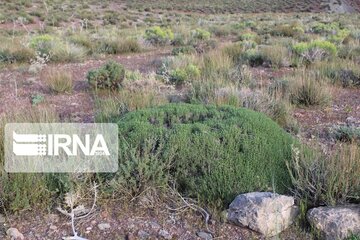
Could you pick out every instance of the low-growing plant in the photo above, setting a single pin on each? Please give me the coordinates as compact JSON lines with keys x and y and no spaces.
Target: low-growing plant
{"x":43,"y":43}
{"x":109,"y":76}
{"x":323,"y":179}
{"x":201,"y":34}
{"x":159,"y":36}
{"x":288,"y":30}
{"x":277,"y":56}
{"x":116,"y":46}
{"x":347,"y":133}
{"x":180,"y":76}
{"x":315,"y":51}
{"x":206,"y":151}
{"x":308,"y":89}
{"x":59,"y":81}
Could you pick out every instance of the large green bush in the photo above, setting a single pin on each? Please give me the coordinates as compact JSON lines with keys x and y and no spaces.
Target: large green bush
{"x":109,"y":76}
{"x":213,"y":153}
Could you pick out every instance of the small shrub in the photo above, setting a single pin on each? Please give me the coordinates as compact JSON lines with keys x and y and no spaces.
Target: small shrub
{"x":60,"y":81}
{"x":115,"y":46}
{"x":277,"y":56}
{"x":307,"y":90}
{"x":234,"y":51}
{"x":288,"y":30}
{"x":207,"y":151}
{"x":326,"y":180}
{"x":67,"y":52}
{"x":43,"y":43}
{"x":16,"y":53}
{"x":183,"y":50}
{"x":253,"y":58}
{"x":315,"y":51}
{"x":347,"y":133}
{"x":159,"y":36}
{"x":181,"y":76}
{"x":109,"y":76}
{"x":201,"y":34}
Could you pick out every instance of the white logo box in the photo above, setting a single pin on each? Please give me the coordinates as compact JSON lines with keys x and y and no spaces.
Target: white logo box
{"x":61,"y":147}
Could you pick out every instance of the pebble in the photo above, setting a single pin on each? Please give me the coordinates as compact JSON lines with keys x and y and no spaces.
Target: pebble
{"x":103,"y":226}
{"x":204,"y":235}
{"x":14,"y":234}
{"x":165,"y":234}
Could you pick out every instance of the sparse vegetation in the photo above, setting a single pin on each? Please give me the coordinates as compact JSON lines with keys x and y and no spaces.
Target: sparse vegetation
{"x":109,"y":76}
{"x":192,"y":86}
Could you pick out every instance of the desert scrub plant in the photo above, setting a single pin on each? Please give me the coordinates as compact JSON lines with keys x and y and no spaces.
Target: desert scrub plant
{"x":59,"y":80}
{"x":180,"y":76}
{"x":207,"y":151}
{"x":277,"y":56}
{"x":159,"y":36}
{"x":15,"y":52}
{"x":346,"y":133}
{"x":43,"y":43}
{"x":67,"y":52}
{"x":200,"y":34}
{"x":23,"y":191}
{"x":321,"y":179}
{"x":308,"y":89}
{"x":109,"y":76}
{"x":288,"y":30}
{"x":116,"y":46}
{"x":341,"y":72}
{"x":314,"y":51}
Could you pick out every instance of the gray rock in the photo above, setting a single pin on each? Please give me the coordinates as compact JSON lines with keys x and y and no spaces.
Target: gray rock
{"x":335,"y":222}
{"x":14,"y":234}
{"x":204,"y":235}
{"x":264,"y":212}
{"x":103,"y":226}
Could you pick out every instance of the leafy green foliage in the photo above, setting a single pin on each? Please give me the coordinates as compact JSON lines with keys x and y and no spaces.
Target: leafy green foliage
{"x":201,"y":34}
{"x":315,"y":51}
{"x":109,"y":76}
{"x":159,"y":36}
{"x":210,"y":153}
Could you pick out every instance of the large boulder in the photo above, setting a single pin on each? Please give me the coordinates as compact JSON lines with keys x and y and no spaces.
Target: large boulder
{"x":264,"y":212}
{"x":335,"y":222}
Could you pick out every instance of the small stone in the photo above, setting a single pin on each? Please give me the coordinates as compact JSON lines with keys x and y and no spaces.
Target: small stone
{"x":14,"y":234}
{"x":143,"y":235}
{"x":88,"y":228}
{"x":204,"y":235}
{"x":104,"y":226}
{"x":165,"y":234}
{"x":53,"y":227}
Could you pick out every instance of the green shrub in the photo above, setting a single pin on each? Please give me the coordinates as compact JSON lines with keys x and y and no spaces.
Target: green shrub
{"x":59,"y":81}
{"x":288,"y":30}
{"x":183,"y":50}
{"x":15,"y":54}
{"x":159,"y":36}
{"x":43,"y":43}
{"x":115,"y":46}
{"x":253,"y":58}
{"x":180,"y":76}
{"x":347,"y":133}
{"x":109,"y":76}
{"x":208,"y":152}
{"x":330,"y":180}
{"x":308,"y":89}
{"x":201,"y":34}
{"x":315,"y":51}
